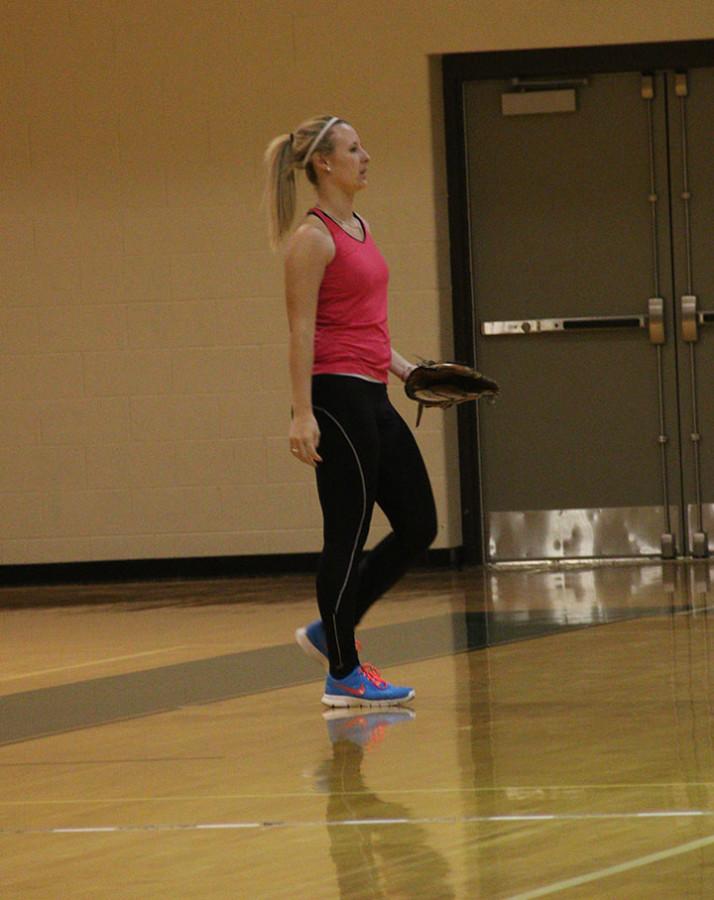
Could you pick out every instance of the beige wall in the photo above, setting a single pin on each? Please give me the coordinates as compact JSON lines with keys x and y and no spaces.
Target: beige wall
{"x":143,"y":386}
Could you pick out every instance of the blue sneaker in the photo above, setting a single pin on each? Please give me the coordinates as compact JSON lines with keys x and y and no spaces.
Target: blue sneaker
{"x":311,"y":640}
{"x":364,"y":686}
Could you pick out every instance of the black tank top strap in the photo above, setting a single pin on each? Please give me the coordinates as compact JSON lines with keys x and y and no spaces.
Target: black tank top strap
{"x":319,"y":214}
{"x":334,"y":226}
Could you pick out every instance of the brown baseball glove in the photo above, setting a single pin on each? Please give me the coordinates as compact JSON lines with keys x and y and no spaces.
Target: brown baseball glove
{"x":446,"y":384}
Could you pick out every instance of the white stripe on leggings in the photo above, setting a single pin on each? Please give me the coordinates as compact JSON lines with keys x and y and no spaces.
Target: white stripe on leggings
{"x":359,"y":529}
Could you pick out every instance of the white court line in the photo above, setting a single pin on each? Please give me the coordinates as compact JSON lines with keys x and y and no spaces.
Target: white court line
{"x":698,"y":609}
{"x":90,"y":830}
{"x":372,"y":822}
{"x":615,"y":870}
{"x":93,"y":662}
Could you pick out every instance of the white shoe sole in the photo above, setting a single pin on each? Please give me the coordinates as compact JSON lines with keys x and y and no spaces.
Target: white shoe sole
{"x":342,"y":702}
{"x":307,"y":647}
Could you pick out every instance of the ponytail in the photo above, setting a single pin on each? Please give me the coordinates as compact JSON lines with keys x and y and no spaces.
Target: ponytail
{"x":280,"y":187}
{"x":284,"y":154}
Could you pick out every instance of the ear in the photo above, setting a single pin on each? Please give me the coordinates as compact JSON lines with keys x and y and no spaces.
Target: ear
{"x":323,"y":164}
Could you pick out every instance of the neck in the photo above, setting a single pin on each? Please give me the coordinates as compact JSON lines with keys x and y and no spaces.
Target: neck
{"x":338,"y":204}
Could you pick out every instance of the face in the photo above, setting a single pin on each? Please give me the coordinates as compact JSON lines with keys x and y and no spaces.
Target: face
{"x":348,"y":161}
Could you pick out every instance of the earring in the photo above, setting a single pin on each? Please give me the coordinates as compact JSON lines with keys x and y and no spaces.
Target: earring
{"x":328,"y":168}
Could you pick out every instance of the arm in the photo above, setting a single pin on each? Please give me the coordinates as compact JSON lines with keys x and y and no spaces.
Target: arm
{"x":309,"y":252}
{"x":399,"y":366}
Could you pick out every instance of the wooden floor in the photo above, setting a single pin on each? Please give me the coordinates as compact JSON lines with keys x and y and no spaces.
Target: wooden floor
{"x":166,"y":740}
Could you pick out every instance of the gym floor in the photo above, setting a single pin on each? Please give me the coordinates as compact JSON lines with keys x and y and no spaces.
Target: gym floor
{"x":167,"y":740}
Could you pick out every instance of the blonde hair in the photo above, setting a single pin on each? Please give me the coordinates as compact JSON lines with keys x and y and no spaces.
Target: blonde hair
{"x":286,"y":153}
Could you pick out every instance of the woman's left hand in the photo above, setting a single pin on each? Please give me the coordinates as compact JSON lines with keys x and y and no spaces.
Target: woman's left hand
{"x":304,"y":439}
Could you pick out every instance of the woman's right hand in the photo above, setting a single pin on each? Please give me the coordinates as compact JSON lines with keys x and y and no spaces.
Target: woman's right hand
{"x":304,"y":439}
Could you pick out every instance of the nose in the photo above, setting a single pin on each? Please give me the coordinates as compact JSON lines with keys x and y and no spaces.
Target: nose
{"x":365,"y":156}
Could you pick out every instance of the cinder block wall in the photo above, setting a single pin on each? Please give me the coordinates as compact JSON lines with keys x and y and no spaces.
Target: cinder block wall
{"x":143,"y":380}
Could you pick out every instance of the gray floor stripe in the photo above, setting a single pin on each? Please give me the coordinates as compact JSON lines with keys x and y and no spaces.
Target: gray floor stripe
{"x":99,"y":701}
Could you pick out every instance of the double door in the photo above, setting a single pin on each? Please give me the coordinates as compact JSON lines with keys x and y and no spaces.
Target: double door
{"x":591,"y":206}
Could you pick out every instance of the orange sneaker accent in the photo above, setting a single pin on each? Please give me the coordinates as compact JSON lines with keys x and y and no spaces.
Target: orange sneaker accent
{"x":358,"y":692}
{"x":374,"y":675}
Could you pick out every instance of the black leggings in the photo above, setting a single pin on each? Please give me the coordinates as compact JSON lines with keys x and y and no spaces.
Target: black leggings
{"x":369,"y":456}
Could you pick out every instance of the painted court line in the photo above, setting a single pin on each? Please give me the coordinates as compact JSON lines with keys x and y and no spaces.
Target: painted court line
{"x":92,"y":662}
{"x":381,"y":822}
{"x":599,"y":874}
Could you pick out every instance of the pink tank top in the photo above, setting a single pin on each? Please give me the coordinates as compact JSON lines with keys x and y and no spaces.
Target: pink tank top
{"x":351,"y":331}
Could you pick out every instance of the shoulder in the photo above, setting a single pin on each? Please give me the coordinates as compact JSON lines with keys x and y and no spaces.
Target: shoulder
{"x":312,"y":241}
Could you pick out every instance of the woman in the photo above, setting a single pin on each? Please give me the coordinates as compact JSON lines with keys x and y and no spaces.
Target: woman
{"x":343,"y":424}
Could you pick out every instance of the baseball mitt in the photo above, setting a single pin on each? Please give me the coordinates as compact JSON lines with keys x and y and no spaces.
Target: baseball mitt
{"x":446,"y":384}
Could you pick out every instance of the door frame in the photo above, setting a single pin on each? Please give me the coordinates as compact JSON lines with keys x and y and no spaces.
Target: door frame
{"x":457,"y":69}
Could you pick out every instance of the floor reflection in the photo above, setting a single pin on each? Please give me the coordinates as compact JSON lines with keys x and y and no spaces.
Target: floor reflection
{"x":594,"y":594}
{"x":606,"y":722}
{"x":377,"y":850}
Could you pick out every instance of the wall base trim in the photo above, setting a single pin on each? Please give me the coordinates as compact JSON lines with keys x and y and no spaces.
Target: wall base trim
{"x":113,"y":571}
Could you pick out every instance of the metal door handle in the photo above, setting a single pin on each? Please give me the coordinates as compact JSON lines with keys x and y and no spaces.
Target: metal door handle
{"x":654,"y":321}
{"x":580,"y":323}
{"x":692,"y":318}
{"x":690,"y":330}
